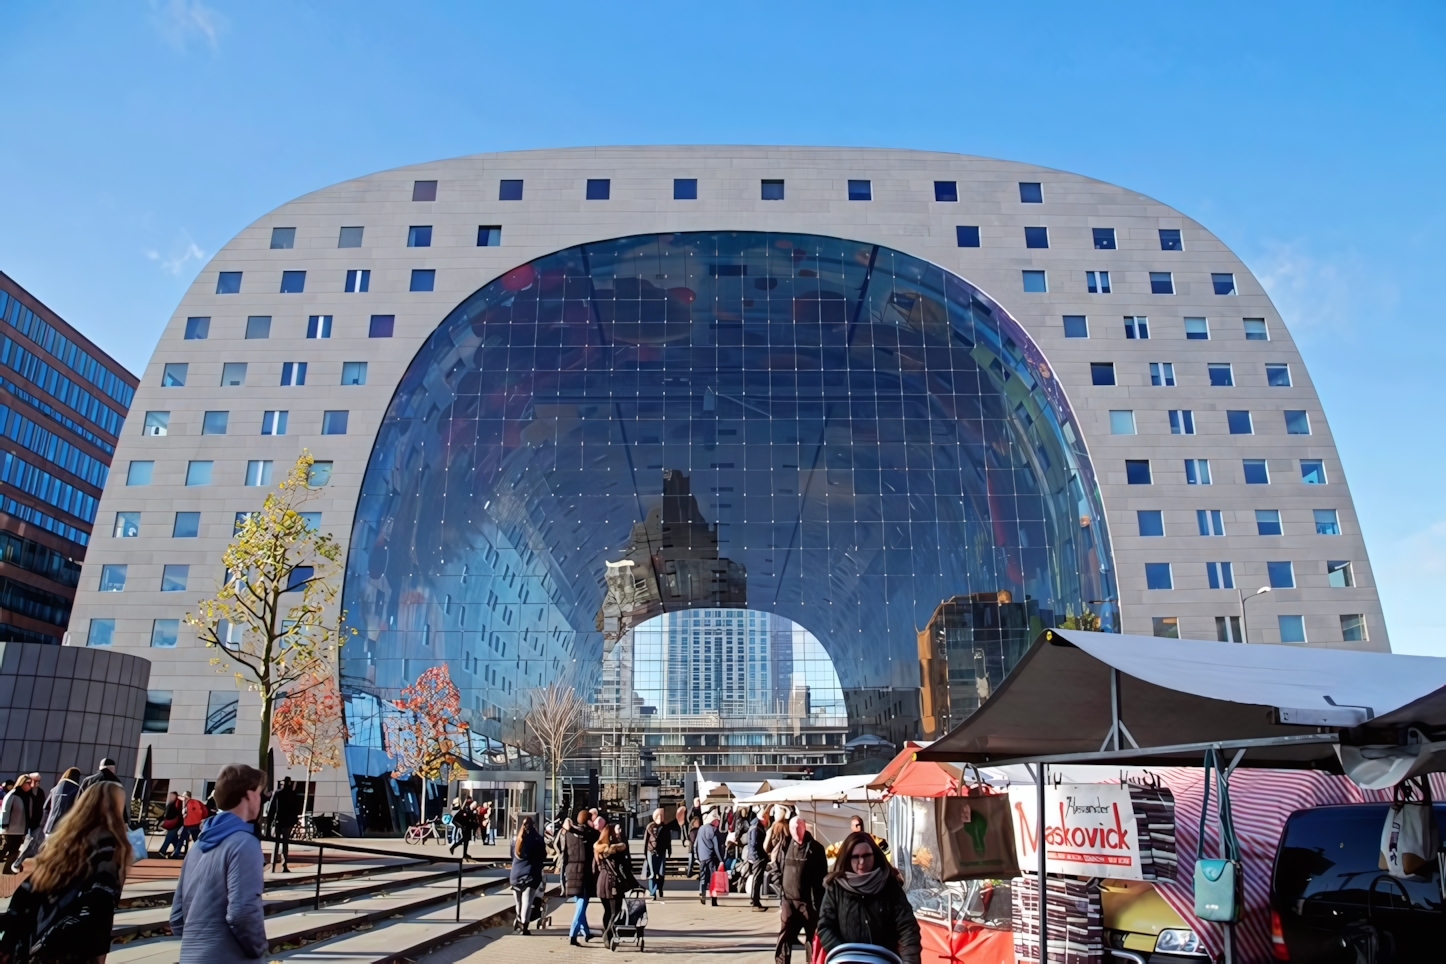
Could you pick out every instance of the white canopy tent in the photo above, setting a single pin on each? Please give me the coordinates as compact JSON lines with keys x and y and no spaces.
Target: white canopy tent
{"x":829,"y":804}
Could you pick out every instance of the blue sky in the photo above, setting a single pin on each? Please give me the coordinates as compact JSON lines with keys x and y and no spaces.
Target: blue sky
{"x":139,"y":136}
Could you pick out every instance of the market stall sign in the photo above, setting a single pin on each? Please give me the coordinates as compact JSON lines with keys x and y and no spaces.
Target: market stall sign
{"x":1090,"y":830}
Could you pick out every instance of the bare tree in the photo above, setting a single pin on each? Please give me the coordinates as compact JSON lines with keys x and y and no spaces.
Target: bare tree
{"x":555,"y":721}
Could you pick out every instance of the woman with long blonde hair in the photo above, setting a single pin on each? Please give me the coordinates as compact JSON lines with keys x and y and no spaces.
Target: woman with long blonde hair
{"x":63,"y":912}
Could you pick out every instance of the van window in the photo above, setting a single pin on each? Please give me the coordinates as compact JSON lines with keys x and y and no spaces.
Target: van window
{"x":1328,"y":856}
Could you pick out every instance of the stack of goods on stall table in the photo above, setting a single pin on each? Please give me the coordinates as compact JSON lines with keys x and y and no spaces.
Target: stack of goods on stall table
{"x":1155,"y":825}
{"x":1076,"y":923}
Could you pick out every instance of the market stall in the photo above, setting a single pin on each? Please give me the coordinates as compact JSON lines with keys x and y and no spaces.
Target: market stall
{"x":828,"y":805}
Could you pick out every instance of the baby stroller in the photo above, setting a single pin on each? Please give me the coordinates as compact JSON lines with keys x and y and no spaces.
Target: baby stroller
{"x":630,"y":926}
{"x":540,"y":917}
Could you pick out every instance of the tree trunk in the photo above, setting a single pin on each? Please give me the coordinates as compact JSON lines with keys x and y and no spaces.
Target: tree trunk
{"x":265,"y":744}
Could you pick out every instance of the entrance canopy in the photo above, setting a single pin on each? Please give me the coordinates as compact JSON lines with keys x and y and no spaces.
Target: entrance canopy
{"x":1288,"y":705}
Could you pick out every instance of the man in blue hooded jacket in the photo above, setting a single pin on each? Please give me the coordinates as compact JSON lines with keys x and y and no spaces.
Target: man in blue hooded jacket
{"x":217,"y":909}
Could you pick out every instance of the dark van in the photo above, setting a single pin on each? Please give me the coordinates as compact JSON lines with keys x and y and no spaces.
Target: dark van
{"x":1334,"y":903}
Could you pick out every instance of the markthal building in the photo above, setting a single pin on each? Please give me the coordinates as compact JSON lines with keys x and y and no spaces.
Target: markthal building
{"x":778,"y":456}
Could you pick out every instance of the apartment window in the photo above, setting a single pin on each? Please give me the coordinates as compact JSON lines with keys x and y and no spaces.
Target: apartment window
{"x":112,"y":578}
{"x":198,"y":329}
{"x":509,"y":191}
{"x":1219,"y":575}
{"x":1312,"y":472}
{"x":685,"y":189}
{"x":283,"y":238}
{"x":1035,"y":281}
{"x":1267,"y":522}
{"x":198,"y":473}
{"x":946,"y":190}
{"x":1256,"y":472}
{"x":1224,"y":284}
{"x":1197,"y":329}
{"x":139,"y":473}
{"x":1151,"y":522}
{"x":333,"y":423}
{"x":258,"y":326}
{"x":424,"y":190}
{"x":293,"y":282}
{"x":273,"y":423}
{"x":221,"y":713}
{"x":293,"y":373}
{"x":228,"y":283}
{"x":312,"y":520}
{"x":772,"y":190}
{"x":101,"y":632}
{"x":1182,"y":421}
{"x":350,"y":238}
{"x":1277,"y":376}
{"x":1162,"y":283}
{"x":1102,"y":373}
{"x":967,"y":235}
{"x":157,"y":718}
{"x":298,"y":577}
{"x":1122,"y":422}
{"x":174,"y":578}
{"x":1353,"y":628}
{"x":214,"y":423}
{"x":423,"y":279}
{"x":1292,"y":629}
{"x":1255,"y":329}
{"x":1036,"y":237}
{"x":1030,"y":192}
{"x":127,"y":525}
{"x":1239,"y":422}
{"x":258,"y":472}
{"x":1137,"y":327}
{"x":1098,"y":282}
{"x":1104,"y":238}
{"x":318,"y":326}
{"x":358,"y":281}
{"x":1166,"y":627}
{"x":174,"y":374}
{"x":381,"y":326}
{"x":861,"y":191}
{"x":157,"y":423}
{"x":419,"y":236}
{"x":598,"y":188}
{"x":1210,"y":522}
{"x":164,"y":633}
{"x":1221,"y":375}
{"x":1197,"y":471}
{"x":233,"y":374}
{"x":1137,"y":471}
{"x":239,"y":522}
{"x":489,"y":235}
{"x":1227,"y":629}
{"x":187,"y":525}
{"x":1157,"y":576}
{"x":1281,"y":575}
{"x":1327,"y":523}
{"x":1162,"y":373}
{"x":1075,"y":326}
{"x":1297,"y":423}
{"x":354,"y":373}
{"x":1170,"y":239}
{"x":1339,"y":574}
{"x":318,"y":475}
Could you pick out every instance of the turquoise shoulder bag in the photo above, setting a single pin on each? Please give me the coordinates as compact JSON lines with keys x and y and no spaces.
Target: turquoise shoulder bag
{"x":1218,"y":883}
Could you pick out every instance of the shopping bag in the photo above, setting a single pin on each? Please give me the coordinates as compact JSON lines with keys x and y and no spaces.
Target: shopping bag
{"x":718,"y":883}
{"x":816,"y":953}
{"x":976,"y":837}
{"x":137,"y":838}
{"x":1409,"y":840}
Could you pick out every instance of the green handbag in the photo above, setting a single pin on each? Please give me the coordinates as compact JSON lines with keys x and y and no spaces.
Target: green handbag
{"x":1218,"y":883}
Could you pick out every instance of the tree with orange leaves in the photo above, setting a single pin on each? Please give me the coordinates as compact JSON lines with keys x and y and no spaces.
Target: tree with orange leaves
{"x":310,"y":726}
{"x":422,"y":734}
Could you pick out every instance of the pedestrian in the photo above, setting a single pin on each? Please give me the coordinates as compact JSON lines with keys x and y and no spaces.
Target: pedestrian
{"x":579,"y":878}
{"x":61,"y":799}
{"x":686,"y":833}
{"x":34,"y":821}
{"x":708,"y":848}
{"x":282,"y":816}
{"x":217,"y":910}
{"x":12,"y":822}
{"x":529,"y":853}
{"x":464,"y":818}
{"x":484,"y":824}
{"x":105,"y":774}
{"x":614,"y":874}
{"x":171,"y":824}
{"x":756,"y":857}
{"x":864,"y":902}
{"x":803,"y":866}
{"x":64,"y":911}
{"x":657,"y":847}
{"x":192,"y":815}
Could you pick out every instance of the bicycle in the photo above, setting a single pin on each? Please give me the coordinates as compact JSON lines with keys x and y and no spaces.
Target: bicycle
{"x":420,"y":833}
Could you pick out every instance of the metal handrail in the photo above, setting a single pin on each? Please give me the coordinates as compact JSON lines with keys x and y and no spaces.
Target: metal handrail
{"x":321,"y":846}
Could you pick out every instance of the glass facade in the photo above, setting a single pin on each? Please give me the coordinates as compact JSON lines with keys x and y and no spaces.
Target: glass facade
{"x":792,"y":430}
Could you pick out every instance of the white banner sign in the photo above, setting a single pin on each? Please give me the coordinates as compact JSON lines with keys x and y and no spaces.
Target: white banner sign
{"x":1089,"y":830}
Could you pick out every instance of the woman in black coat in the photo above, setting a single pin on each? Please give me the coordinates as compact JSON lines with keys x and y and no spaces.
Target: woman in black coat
{"x":579,"y":881}
{"x":864,"y":902}
{"x":614,"y":875}
{"x":529,"y":853}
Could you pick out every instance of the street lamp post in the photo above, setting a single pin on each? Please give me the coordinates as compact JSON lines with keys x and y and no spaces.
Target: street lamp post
{"x":1244,"y":623}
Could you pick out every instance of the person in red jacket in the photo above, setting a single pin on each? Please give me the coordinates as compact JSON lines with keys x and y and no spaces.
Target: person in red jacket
{"x":193,"y":812}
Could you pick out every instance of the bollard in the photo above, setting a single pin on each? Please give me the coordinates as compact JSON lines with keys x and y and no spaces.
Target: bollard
{"x":321,"y":849}
{"x":459,"y":891}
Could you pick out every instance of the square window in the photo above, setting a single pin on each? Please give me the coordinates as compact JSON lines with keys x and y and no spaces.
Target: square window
{"x":1182,"y":421}
{"x":186,"y":526}
{"x":101,"y":633}
{"x":293,"y":373}
{"x":318,"y":326}
{"x":112,"y":578}
{"x":772,"y":190}
{"x":1197,"y":471}
{"x":1157,"y":576}
{"x":298,"y":577}
{"x":598,"y":188}
{"x":861,"y":191}
{"x":258,"y":472}
{"x":164,"y":633}
{"x":214,"y":423}
{"x":258,"y":326}
{"x":1210,"y":522}
{"x":1281,"y":575}
{"x":283,"y":238}
{"x":1353,"y":628}
{"x":967,"y":235}
{"x":1162,"y":283}
{"x":1036,"y":237}
{"x":1104,"y":238}
{"x":233,"y":374}
{"x":1255,"y":329}
{"x":349,"y":238}
{"x":1162,"y":373}
{"x":1030,"y":192}
{"x":1277,"y":376}
{"x":1102,"y":373}
{"x":1267,"y":522}
{"x":1297,"y":423}
{"x":358,"y":281}
{"x":1224,"y":284}
{"x":293,"y":282}
{"x":1312,"y":472}
{"x":1339,"y":574}
{"x":489,"y":235}
{"x":157,"y":718}
{"x":419,"y":236}
{"x":333,"y":423}
{"x":354,"y":373}
{"x":312,"y":520}
{"x":228,"y":283}
{"x":1327,"y":523}
{"x":1197,"y":329}
{"x":198,"y":329}
{"x":381,"y":326}
{"x":1292,"y":629}
{"x":685,"y":189}
{"x":423,"y":279}
{"x":174,"y":578}
{"x":1151,"y":522}
{"x":1166,"y":627}
{"x":1035,"y":281}
{"x":139,"y":473}
{"x":1221,"y":375}
{"x":1137,"y":327}
{"x":1220,"y":575}
{"x":1227,"y":629}
{"x":1239,"y":423}
{"x":1098,"y":282}
{"x":1256,"y":472}
{"x":1137,"y":471}
{"x":127,"y":525}
{"x":1122,"y":422}
{"x":318,"y":475}
{"x":1170,"y":239}
{"x":273,"y":423}
{"x":174,"y":374}
{"x":946,"y":190}
{"x":198,"y":473}
{"x":1075,"y":326}
{"x":509,"y":191}
{"x":240,"y":522}
{"x":221,"y":713}
{"x":424,"y":190}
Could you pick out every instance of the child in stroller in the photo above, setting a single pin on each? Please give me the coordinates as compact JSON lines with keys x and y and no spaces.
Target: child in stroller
{"x":630,"y":926}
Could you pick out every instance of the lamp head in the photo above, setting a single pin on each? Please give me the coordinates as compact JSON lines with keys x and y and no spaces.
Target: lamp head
{"x":1262,"y":589}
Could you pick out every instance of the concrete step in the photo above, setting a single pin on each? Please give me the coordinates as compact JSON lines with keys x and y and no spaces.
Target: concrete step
{"x":142,"y":893}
